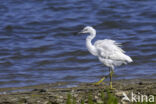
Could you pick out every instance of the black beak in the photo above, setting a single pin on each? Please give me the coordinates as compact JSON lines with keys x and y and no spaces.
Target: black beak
{"x":77,"y":33}
{"x":80,"y":32}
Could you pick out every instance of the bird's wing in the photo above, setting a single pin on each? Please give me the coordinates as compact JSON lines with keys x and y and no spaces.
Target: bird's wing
{"x":110,"y":49}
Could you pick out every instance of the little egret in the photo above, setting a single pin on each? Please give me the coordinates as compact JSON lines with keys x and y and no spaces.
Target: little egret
{"x":108,"y":52}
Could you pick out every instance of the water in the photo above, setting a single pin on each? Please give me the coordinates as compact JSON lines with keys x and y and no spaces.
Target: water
{"x":38,"y":41}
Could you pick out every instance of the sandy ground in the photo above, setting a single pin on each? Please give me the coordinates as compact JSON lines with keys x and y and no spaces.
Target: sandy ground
{"x":53,"y":94}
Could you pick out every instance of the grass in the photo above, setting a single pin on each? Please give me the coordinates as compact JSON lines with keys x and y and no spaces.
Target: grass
{"x":109,"y":98}
{"x":71,"y":99}
{"x":104,"y":98}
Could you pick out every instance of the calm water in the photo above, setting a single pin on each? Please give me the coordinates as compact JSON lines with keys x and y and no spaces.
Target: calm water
{"x":38,"y":41}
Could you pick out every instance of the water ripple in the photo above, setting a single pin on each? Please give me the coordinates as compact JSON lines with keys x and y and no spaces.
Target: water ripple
{"x":39,"y":41}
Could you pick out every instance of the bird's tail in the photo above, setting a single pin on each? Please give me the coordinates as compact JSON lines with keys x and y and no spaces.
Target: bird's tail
{"x":129,"y":59}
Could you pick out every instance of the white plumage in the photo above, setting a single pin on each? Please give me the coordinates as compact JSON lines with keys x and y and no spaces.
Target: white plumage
{"x":108,"y":51}
{"x":110,"y":54}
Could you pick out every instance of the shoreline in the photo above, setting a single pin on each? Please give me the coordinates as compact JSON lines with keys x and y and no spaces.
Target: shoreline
{"x":45,"y":93}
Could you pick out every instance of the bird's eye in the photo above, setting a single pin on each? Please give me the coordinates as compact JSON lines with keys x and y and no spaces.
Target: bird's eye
{"x":85,"y":29}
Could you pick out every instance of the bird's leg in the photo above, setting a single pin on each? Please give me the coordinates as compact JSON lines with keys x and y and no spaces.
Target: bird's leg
{"x":100,"y":81}
{"x":110,"y":78}
{"x":111,"y":71}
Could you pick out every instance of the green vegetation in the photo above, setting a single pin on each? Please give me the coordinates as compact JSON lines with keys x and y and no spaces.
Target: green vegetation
{"x":104,"y":98}
{"x":70,"y":99}
{"x":107,"y":97}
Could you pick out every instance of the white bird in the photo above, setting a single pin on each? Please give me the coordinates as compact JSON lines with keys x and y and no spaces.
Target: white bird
{"x":108,"y":52}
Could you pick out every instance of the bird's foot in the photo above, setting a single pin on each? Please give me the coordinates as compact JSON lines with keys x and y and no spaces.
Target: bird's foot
{"x":100,"y":81}
{"x":111,"y":88}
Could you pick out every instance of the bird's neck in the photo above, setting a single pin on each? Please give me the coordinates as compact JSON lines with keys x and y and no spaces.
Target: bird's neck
{"x":91,"y":48}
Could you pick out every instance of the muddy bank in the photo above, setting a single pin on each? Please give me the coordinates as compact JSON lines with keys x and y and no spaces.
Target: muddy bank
{"x":54,"y":94}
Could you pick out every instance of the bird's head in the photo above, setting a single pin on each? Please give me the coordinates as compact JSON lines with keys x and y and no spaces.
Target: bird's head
{"x":88,"y":29}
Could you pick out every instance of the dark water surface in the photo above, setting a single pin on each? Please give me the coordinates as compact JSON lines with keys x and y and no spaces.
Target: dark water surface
{"x":38,"y":41}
